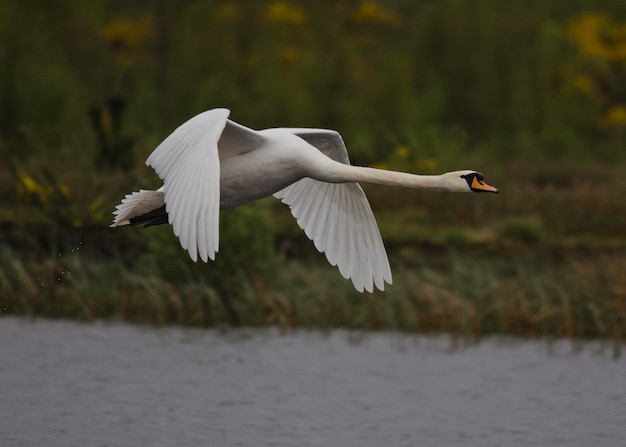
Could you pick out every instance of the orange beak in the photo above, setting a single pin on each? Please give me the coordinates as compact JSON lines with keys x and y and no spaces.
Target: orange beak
{"x":480,"y":186}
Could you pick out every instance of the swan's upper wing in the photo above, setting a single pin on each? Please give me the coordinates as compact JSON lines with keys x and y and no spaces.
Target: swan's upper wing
{"x":329,"y":142}
{"x":188,"y":163}
{"x":338,"y":218}
{"x":237,"y":139}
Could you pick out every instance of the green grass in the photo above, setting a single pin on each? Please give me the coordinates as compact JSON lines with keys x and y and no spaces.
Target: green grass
{"x":546,"y":292}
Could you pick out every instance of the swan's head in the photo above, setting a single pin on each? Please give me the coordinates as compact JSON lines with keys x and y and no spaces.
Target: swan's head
{"x":467,"y":181}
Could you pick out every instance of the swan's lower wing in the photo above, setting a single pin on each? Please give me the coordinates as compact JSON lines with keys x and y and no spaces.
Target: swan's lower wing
{"x":188,"y":163}
{"x":338,"y":218}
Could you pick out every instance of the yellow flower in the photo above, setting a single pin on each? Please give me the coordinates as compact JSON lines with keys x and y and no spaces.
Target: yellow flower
{"x":619,"y":51}
{"x":585,"y":32}
{"x":288,"y":54}
{"x":106,"y":120}
{"x":402,"y":152}
{"x":125,"y":37}
{"x":430,"y":164}
{"x":228,"y":10}
{"x":584,"y":84}
{"x":280,"y":11}
{"x":95,"y":208}
{"x":614,"y":117}
{"x":29,"y":187}
{"x":597,"y":35}
{"x":617,"y":36}
{"x":370,"y":11}
{"x":28,"y":183}
{"x":426,"y":164}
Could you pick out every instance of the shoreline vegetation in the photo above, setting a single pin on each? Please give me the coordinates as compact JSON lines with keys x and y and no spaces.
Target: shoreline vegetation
{"x":468,"y":292}
{"x":462,"y":266}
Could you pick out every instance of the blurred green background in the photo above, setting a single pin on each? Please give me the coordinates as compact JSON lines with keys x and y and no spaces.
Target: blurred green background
{"x":532,"y":94}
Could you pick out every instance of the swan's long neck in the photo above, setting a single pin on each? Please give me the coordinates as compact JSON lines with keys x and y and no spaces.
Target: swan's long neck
{"x":362,"y":174}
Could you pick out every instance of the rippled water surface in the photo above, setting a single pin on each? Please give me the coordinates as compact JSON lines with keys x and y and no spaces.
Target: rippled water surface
{"x":69,"y":384}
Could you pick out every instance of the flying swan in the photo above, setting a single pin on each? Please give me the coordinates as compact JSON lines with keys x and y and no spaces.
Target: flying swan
{"x":211,"y":163}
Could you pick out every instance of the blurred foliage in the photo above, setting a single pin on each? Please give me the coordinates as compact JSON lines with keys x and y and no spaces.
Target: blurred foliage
{"x":506,"y":79}
{"x":246,"y":247}
{"x":522,"y":230}
{"x":115,"y":149}
{"x":415,"y":86}
{"x":453,"y":291}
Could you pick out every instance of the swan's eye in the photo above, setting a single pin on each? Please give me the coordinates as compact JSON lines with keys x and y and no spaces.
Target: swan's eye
{"x":473,"y":177}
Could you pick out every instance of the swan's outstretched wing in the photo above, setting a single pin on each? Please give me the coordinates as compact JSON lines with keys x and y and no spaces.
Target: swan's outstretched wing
{"x":338,"y":218}
{"x":329,"y":142}
{"x":188,"y":163}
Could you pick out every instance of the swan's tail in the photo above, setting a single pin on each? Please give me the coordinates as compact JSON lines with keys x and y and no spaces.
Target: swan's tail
{"x":143,"y":207}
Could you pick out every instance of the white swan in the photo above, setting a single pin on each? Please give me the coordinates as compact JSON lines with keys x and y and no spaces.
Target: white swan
{"x":211,"y":163}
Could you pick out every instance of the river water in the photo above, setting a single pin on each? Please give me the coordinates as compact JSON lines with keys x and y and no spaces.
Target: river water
{"x":110,"y":384}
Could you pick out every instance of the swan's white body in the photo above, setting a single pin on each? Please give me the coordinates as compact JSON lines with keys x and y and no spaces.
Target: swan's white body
{"x":211,"y":163}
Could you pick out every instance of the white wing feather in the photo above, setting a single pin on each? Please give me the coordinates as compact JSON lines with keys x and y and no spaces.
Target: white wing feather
{"x":136,"y":204}
{"x":188,"y":163}
{"x":338,"y":219}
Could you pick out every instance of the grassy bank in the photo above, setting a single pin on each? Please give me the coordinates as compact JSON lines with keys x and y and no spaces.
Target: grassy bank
{"x":471,"y":291}
{"x":545,"y":258}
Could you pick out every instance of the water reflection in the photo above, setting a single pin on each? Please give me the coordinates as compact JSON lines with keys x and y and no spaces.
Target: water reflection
{"x":68,"y":384}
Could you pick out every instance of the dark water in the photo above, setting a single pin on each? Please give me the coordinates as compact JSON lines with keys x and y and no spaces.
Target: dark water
{"x":67,"y":384}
